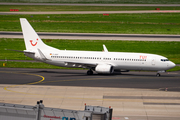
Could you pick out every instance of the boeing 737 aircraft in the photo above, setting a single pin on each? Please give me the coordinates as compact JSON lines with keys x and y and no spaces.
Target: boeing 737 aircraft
{"x":101,"y":62}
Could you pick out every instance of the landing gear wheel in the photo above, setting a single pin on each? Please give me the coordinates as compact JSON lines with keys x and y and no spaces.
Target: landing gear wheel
{"x":89,"y":72}
{"x":158,"y":74}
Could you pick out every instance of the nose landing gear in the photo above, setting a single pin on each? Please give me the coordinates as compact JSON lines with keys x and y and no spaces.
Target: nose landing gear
{"x":158,"y":73}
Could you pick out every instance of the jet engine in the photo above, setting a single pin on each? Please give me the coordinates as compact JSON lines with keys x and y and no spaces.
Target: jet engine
{"x":104,"y":69}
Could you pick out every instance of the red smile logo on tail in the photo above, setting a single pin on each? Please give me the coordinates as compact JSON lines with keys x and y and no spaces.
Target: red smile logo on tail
{"x":31,"y":41}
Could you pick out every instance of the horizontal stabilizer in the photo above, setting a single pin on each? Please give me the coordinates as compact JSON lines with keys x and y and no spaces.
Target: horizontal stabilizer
{"x":24,"y":51}
{"x":15,"y":50}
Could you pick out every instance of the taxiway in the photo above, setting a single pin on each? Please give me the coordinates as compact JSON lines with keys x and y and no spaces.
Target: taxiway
{"x":132,"y":95}
{"x":96,"y":36}
{"x":66,"y":77}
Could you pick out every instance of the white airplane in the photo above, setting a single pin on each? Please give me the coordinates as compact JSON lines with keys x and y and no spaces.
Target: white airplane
{"x":102,"y":62}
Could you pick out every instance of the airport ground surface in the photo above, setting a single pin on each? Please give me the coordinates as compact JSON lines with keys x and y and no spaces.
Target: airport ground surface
{"x":96,"y":36}
{"x":90,"y":12}
{"x":132,"y":95}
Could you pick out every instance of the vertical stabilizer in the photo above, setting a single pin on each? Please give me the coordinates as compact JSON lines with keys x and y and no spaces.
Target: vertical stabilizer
{"x":31,"y":38}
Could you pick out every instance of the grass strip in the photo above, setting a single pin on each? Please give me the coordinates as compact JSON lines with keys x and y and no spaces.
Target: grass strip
{"x":11,"y":64}
{"x":151,"y":23}
{"x":167,"y":49}
{"x":38,"y":8}
{"x":177,"y":68}
{"x":99,"y":1}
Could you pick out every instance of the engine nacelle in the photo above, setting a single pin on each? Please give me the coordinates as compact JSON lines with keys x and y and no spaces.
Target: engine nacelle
{"x":104,"y":69}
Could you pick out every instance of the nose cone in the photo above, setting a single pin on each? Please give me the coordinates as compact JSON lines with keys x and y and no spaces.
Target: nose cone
{"x":171,"y":65}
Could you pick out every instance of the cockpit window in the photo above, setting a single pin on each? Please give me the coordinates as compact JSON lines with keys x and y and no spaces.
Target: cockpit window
{"x":164,"y":60}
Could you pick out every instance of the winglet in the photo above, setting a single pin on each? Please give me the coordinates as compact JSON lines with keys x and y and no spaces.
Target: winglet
{"x":105,"y":49}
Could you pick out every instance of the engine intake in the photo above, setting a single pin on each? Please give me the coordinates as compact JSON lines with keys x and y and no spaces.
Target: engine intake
{"x":104,"y":69}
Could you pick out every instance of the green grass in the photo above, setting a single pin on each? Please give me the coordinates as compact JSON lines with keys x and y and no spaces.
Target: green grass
{"x":15,"y":44}
{"x":11,"y":64}
{"x":152,"y":23}
{"x":22,"y":8}
{"x":99,"y":1}
{"x":177,"y":68}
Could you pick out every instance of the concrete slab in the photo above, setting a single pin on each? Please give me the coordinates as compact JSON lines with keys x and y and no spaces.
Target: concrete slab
{"x":128,"y":101}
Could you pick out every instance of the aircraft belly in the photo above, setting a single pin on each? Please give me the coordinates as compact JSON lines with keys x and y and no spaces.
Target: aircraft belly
{"x":133,"y":66}
{"x":129,"y":67}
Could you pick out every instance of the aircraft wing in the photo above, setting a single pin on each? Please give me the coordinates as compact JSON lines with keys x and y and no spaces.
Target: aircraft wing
{"x":81,"y":65}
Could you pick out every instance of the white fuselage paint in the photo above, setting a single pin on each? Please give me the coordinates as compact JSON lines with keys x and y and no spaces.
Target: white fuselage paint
{"x":119,"y":60}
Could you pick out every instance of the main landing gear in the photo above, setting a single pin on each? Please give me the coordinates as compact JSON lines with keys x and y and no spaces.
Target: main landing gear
{"x":89,"y":72}
{"x":158,"y":74}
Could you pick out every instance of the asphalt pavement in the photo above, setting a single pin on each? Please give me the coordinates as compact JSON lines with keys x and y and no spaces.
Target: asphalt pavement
{"x":66,"y":77}
{"x":132,"y":95}
{"x":96,"y":36}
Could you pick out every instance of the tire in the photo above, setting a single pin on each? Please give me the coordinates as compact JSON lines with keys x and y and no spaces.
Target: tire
{"x":158,"y":75}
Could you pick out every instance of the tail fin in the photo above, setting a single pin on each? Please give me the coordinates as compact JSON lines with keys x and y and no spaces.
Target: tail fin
{"x":31,"y":38}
